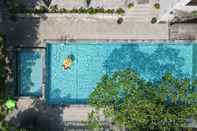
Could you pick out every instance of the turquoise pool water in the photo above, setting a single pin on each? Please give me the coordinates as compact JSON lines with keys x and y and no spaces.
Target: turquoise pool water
{"x":92,"y":60}
{"x":29,"y":72}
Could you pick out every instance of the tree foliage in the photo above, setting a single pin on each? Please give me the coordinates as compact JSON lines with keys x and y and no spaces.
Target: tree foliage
{"x":94,"y":122}
{"x":136,"y":104}
{"x":3,"y":72}
{"x":3,"y":69}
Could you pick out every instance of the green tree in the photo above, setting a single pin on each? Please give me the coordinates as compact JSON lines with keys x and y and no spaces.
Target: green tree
{"x":136,"y":104}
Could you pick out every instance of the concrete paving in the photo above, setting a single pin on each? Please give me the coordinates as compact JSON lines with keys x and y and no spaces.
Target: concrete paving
{"x":31,"y":31}
{"x":56,"y":117}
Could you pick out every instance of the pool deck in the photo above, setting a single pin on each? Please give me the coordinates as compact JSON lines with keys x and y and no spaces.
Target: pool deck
{"x":57,"y":117}
{"x":35,"y":29}
{"x":136,"y":25}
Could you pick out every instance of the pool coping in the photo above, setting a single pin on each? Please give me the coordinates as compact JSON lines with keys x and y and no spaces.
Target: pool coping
{"x":153,"y":41}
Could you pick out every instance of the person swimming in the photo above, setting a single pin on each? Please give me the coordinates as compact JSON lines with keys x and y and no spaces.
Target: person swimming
{"x":68,"y":62}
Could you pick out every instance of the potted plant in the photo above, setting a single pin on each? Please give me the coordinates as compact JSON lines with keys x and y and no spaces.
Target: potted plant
{"x":153,"y":20}
{"x":120,"y":20}
{"x":131,"y":5}
{"x":157,"y":6}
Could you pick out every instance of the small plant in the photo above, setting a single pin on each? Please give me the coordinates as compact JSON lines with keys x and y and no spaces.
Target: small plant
{"x":157,"y":6}
{"x":15,"y":8}
{"x":91,"y":11}
{"x":120,"y":20}
{"x":109,"y":11}
{"x":53,"y":9}
{"x":194,"y":13}
{"x":100,"y":10}
{"x":130,"y":5}
{"x":153,"y":20}
{"x":74,"y":11}
{"x":82,"y":10}
{"x":120,"y":11}
{"x":40,"y":9}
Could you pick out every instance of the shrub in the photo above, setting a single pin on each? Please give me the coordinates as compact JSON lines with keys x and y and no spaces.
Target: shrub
{"x":130,"y":5}
{"x":74,"y":11}
{"x":157,"y":6}
{"x":109,"y":11}
{"x":100,"y":10}
{"x":120,"y":11}
{"x":40,"y":9}
{"x":91,"y":10}
{"x":53,"y":9}
{"x":82,"y":10}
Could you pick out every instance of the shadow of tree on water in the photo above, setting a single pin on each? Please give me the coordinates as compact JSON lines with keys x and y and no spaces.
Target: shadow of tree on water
{"x":57,"y":98}
{"x":151,"y":66}
{"x":27,"y":59}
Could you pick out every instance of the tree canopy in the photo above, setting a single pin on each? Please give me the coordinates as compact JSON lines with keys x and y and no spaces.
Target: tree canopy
{"x":3,"y":70}
{"x":136,"y":104}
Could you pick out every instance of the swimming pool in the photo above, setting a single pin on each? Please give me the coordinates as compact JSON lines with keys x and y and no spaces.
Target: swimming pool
{"x":94,"y":59}
{"x":30,"y":63}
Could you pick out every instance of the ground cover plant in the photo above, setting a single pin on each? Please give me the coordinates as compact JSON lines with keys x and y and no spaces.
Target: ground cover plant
{"x":133,"y":103}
